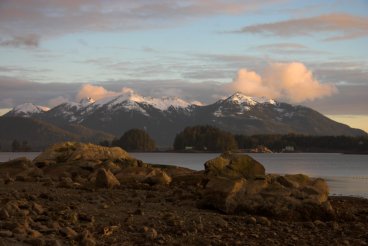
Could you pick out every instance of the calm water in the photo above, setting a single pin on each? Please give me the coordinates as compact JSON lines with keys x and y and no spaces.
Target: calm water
{"x":346,"y":174}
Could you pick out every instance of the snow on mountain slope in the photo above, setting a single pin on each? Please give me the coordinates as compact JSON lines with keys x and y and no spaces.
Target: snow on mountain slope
{"x":239,"y":104}
{"x":27,"y":110}
{"x":160,"y":103}
{"x":239,"y":98}
{"x":86,"y":101}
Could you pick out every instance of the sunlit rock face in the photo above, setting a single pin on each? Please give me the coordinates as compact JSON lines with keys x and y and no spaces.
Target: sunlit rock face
{"x":238,"y":184}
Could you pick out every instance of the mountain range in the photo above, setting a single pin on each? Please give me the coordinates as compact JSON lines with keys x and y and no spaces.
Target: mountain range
{"x":163,"y":118}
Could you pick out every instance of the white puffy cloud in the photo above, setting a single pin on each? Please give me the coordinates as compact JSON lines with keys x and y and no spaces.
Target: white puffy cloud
{"x":292,"y":82}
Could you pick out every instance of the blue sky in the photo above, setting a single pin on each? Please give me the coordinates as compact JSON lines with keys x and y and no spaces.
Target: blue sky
{"x":191,"y":49}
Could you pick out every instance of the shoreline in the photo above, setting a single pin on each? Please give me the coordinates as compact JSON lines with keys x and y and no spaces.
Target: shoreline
{"x":149,"y":215}
{"x":78,"y":194}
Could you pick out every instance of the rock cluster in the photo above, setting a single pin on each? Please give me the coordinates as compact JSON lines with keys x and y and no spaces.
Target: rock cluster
{"x":238,"y":184}
{"x":77,"y":164}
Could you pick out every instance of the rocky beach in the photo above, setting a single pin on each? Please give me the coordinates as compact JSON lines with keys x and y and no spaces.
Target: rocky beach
{"x":84,"y":194}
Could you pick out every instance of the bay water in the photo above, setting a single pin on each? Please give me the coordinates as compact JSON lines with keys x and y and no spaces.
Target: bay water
{"x":346,"y":174}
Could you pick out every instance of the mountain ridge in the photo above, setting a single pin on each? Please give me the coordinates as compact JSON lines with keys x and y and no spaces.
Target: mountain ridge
{"x":164,"y":118}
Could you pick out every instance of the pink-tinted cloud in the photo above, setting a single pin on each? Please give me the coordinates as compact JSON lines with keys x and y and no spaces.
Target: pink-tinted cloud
{"x":337,"y":26}
{"x":95,"y":92}
{"x":31,"y":40}
{"x":292,"y":82}
{"x":59,"y":17}
{"x":99,"y":92}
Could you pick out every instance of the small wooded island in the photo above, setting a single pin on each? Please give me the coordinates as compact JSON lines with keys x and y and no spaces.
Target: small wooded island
{"x":85,"y":194}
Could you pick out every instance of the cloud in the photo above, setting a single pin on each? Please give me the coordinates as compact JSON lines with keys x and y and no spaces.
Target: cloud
{"x":31,"y":40}
{"x":59,"y":17}
{"x":287,"y":49}
{"x":99,"y":92}
{"x":95,"y":92}
{"x":337,"y":26}
{"x":57,"y":101}
{"x":250,"y":83}
{"x":22,"y":91}
{"x":351,"y":99}
{"x":292,"y":82}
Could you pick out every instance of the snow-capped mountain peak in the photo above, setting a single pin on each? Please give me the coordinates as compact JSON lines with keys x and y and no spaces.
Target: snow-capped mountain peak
{"x":165,"y":102}
{"x":86,"y":101}
{"x":160,"y":103}
{"x":27,"y":109}
{"x":239,"y":98}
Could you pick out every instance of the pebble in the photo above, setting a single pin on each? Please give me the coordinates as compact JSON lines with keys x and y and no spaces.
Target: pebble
{"x":251,"y":220}
{"x":68,"y":232}
{"x":87,"y":239}
{"x":264,"y":221}
{"x":38,"y":208}
{"x":150,"y":233}
{"x":4,"y":214}
{"x":35,"y":234}
{"x":335,"y":226}
{"x":319,"y":223}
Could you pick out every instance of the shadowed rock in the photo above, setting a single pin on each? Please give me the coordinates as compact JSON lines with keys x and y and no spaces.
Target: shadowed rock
{"x":236,"y":184}
{"x":234,"y":166}
{"x":105,"y":179}
{"x":152,"y":176}
{"x":20,"y":167}
{"x":224,"y":194}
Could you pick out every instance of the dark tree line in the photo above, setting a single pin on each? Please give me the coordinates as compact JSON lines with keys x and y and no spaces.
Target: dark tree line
{"x":17,"y":146}
{"x":303,"y":143}
{"x":135,"y":140}
{"x":209,"y":138}
{"x":206,"y":138}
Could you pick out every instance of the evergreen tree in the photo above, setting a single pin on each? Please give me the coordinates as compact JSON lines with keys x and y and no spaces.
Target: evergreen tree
{"x":136,"y":140}
{"x":205,"y":138}
{"x":15,"y":146}
{"x":105,"y":143}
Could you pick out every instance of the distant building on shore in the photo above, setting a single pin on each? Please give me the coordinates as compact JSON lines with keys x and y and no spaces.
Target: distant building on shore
{"x":288,"y":149}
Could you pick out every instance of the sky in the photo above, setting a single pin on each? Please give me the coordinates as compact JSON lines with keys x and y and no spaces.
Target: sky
{"x":312,"y":52}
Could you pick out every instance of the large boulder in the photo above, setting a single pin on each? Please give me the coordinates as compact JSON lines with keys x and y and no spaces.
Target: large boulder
{"x":238,"y":184}
{"x":74,"y":152}
{"x":223,"y":194}
{"x":234,"y":166}
{"x":105,"y":179}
